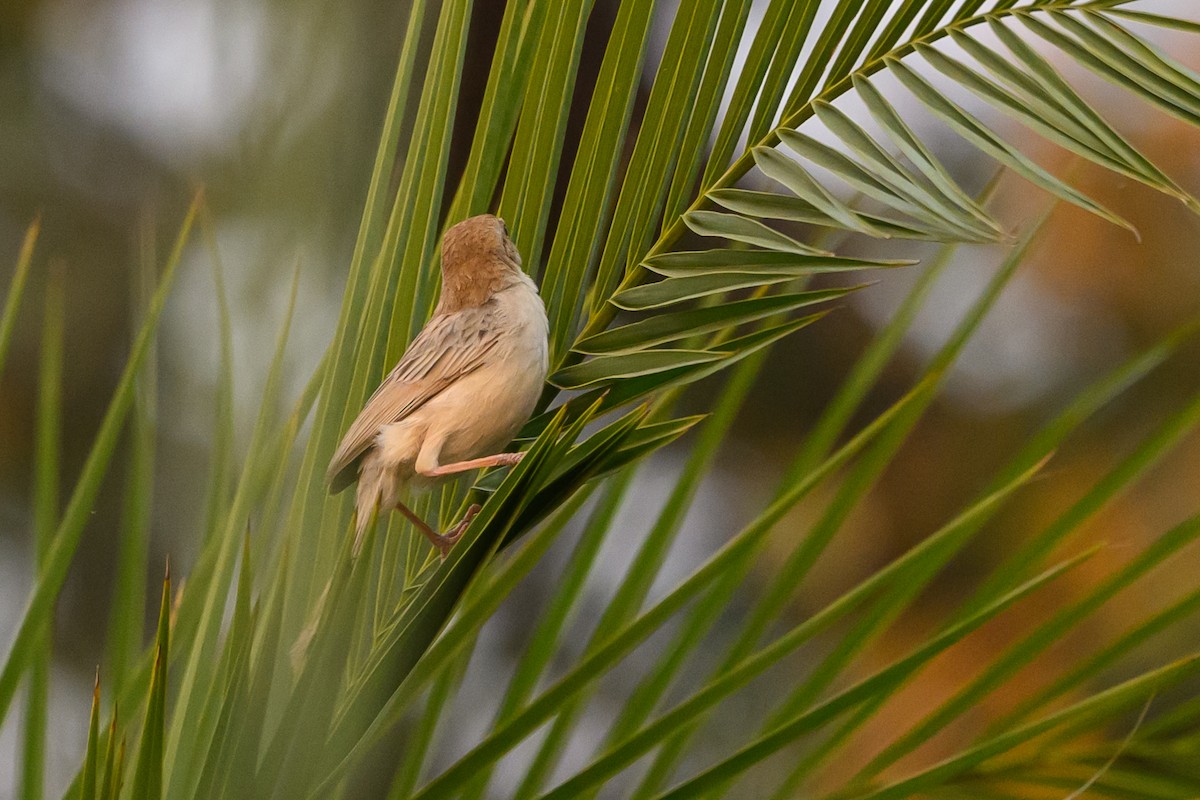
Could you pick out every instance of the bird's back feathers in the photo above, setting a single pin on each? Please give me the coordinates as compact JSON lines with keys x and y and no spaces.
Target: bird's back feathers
{"x":449,"y":347}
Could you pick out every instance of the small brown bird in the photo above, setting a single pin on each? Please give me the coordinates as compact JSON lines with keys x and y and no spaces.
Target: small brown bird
{"x":461,"y":391}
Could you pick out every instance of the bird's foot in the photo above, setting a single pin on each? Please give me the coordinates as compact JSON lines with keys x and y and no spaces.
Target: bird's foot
{"x":444,"y":541}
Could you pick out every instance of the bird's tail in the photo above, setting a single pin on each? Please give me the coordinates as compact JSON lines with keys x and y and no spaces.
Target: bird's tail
{"x":371,"y":487}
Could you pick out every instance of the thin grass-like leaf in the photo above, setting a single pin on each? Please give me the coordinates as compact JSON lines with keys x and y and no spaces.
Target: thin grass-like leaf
{"x":631,"y":390}
{"x":47,"y":468}
{"x":801,"y":560}
{"x":1135,"y":57}
{"x":110,"y":777}
{"x":594,"y":173}
{"x":538,"y":145}
{"x":221,"y":465}
{"x":653,"y":160}
{"x":689,"y":263}
{"x":288,"y":758}
{"x":791,"y":39}
{"x":1035,"y":76}
{"x":364,"y":267}
{"x":16,"y":290}
{"x":1098,"y":707}
{"x":885,"y":114}
{"x":415,"y":241}
{"x":949,"y":207}
{"x":769,"y":205}
{"x":516,"y":46}
{"x":1083,"y":133}
{"x":938,"y":548}
{"x":1034,"y":643}
{"x":979,"y":135}
{"x":91,"y":754}
{"x":706,"y":106}
{"x":190,"y":604}
{"x":1156,"y":19}
{"x":433,"y":714}
{"x":1089,"y":669}
{"x":129,"y":594}
{"x":902,"y":17}
{"x":199,"y":668}
{"x":228,"y":694}
{"x":498,"y":581}
{"x":238,"y":780}
{"x":610,"y":368}
{"x":70,"y":530}
{"x":148,"y":777}
{"x":885,"y":680}
{"x":899,"y":195}
{"x":683,"y":324}
{"x":746,"y":230}
{"x":649,"y":560}
{"x":375,"y":699}
{"x":829,"y":39}
{"x":1039,"y":447}
{"x":375,"y":225}
{"x":820,"y":442}
{"x":384,"y":326}
{"x":787,"y":172}
{"x":1117,"y":480}
{"x":623,"y":641}
{"x":693,"y":287}
{"x":544,"y":640}
{"x":752,"y":76}
{"x":1113,"y":64}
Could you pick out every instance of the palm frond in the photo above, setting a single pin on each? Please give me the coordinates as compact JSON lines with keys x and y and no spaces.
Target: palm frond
{"x":720,"y":198}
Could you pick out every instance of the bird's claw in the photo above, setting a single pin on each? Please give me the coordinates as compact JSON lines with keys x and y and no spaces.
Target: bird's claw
{"x":447,"y":540}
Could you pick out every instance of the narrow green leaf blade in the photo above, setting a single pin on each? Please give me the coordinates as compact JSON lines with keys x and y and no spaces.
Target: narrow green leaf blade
{"x":884,"y":681}
{"x":16,"y":290}
{"x":91,"y":755}
{"x":700,"y":262}
{"x":148,"y":777}
{"x":736,"y":228}
{"x":70,"y":530}
{"x":776,"y":165}
{"x":987,"y":141}
{"x":663,"y":328}
{"x":1098,"y":707}
{"x":612,"y":368}
{"x":47,"y":468}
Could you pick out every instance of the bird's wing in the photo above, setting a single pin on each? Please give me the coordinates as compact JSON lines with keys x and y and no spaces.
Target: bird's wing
{"x":449,"y":347}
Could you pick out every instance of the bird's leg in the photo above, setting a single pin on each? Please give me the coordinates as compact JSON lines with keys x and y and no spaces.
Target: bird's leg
{"x":498,"y":460}
{"x":438,"y":541}
{"x":443,"y":542}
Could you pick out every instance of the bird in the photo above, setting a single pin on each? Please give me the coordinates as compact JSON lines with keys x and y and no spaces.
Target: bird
{"x":461,"y":391}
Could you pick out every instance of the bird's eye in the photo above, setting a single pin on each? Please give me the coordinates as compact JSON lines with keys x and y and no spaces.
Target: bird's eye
{"x":504,"y":227}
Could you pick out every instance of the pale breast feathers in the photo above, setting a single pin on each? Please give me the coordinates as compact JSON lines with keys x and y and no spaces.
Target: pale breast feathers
{"x":449,"y":347}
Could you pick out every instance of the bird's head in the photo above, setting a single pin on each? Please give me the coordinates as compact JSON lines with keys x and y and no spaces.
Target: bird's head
{"x":478,"y":259}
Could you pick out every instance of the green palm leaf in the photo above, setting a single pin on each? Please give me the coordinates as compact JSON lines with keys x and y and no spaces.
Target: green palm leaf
{"x":726,"y":178}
